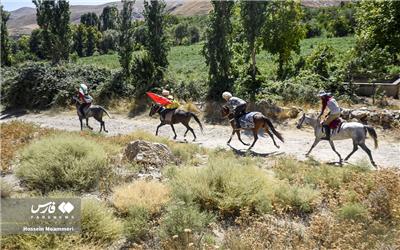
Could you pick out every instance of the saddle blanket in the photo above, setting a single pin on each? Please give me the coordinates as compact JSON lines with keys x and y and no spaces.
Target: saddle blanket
{"x":247,"y":120}
{"x":335,"y":126}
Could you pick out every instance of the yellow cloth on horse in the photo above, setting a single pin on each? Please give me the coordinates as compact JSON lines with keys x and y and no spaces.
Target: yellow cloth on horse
{"x":173,"y":105}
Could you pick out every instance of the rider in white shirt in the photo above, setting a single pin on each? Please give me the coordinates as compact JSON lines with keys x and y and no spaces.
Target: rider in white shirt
{"x":334,"y":112}
{"x":237,"y":105}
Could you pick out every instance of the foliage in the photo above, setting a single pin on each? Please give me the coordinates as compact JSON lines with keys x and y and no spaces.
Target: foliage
{"x":49,"y":85}
{"x":217,"y":50}
{"x":181,"y":31}
{"x":62,"y":162}
{"x":93,"y":37}
{"x":80,"y":40}
{"x":14,"y":135}
{"x":109,"y":41}
{"x":143,"y":74}
{"x":137,"y":223}
{"x":194,"y":34}
{"x":6,"y":189}
{"x":283,"y":31}
{"x":109,"y":18}
{"x":90,"y":19}
{"x":36,"y":43}
{"x":98,"y":224}
{"x":53,"y":18}
{"x":182,"y":218}
{"x":5,"y":43}
{"x":148,"y":195}
{"x":377,"y":26}
{"x":125,"y":38}
{"x":156,"y":43}
{"x":319,"y":60}
{"x":226,"y":185}
{"x":352,"y":211}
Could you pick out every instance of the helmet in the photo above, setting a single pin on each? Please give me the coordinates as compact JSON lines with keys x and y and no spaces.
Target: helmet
{"x":226,"y":95}
{"x":323,"y":93}
{"x":83,"y":88}
{"x":165,"y":92}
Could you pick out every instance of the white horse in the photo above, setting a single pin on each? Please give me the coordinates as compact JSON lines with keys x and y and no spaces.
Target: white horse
{"x":347,"y":130}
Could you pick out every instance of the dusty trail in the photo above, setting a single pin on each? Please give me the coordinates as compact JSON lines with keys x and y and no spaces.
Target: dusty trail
{"x":297,"y":142}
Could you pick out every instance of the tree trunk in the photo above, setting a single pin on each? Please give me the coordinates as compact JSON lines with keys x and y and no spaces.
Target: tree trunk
{"x":253,"y":59}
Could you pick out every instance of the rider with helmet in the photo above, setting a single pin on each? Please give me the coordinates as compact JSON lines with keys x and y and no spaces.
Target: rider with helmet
{"x":334,"y":112}
{"x":169,"y":108}
{"x":84,"y":99}
{"x":237,"y":105}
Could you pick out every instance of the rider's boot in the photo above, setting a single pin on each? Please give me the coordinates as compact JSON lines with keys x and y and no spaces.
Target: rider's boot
{"x":327,"y":130}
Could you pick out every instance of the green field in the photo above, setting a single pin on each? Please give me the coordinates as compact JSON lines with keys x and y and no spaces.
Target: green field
{"x":187,"y":63}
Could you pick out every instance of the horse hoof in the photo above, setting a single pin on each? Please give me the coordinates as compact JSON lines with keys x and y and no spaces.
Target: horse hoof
{"x":106,"y":131}
{"x":277,"y":146}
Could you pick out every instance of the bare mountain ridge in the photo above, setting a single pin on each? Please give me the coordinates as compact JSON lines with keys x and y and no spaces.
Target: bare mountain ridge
{"x":23,"y":20}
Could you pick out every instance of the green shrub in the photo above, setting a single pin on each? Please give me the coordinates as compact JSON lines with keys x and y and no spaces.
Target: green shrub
{"x":62,"y":162}
{"x":49,"y":85}
{"x":352,"y":211}
{"x":98,"y":224}
{"x":295,"y":198}
{"x":227,"y":184}
{"x":137,"y":223}
{"x":181,"y":216}
{"x":5,"y":189}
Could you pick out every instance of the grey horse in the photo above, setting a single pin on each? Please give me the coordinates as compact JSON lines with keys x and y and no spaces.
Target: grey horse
{"x":94,"y":111}
{"x":354,"y":130}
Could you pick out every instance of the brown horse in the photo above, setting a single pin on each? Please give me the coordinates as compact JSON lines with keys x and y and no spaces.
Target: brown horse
{"x":260,"y":121}
{"x":179,"y":116}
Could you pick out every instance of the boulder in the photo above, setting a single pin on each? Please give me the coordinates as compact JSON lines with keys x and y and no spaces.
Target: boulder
{"x":148,"y":153}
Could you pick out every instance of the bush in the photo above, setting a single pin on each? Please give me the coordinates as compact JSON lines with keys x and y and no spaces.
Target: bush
{"x":180,"y":217}
{"x":295,"y":199}
{"x":227,"y":185}
{"x":137,"y":223}
{"x":148,"y":195}
{"x":352,"y":211}
{"x":49,"y":85}
{"x":5,"y":189}
{"x":98,"y":224}
{"x":62,"y":162}
{"x":109,"y":41}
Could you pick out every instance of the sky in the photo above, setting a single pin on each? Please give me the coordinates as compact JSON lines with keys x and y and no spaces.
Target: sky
{"x":11,"y":5}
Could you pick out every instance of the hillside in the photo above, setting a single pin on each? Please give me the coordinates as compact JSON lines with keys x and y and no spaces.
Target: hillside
{"x":23,"y":20}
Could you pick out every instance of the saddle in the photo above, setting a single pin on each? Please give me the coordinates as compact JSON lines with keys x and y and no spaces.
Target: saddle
{"x":247,"y":119}
{"x":336,"y":123}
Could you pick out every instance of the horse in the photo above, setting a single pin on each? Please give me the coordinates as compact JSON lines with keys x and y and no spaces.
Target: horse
{"x":179,"y":116}
{"x":354,"y":130}
{"x":260,"y":121}
{"x":94,"y":111}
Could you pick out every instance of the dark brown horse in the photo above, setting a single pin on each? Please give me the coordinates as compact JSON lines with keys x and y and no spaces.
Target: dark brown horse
{"x":260,"y":121}
{"x":179,"y":116}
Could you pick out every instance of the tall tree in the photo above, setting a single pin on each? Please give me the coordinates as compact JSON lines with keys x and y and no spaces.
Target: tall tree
{"x":109,"y":18}
{"x":53,"y":18}
{"x":125,"y":38}
{"x":36,"y":41}
{"x":252,"y":15}
{"x":90,"y":19}
{"x":5,"y":43}
{"x":80,"y":40}
{"x":378,"y":25}
{"x":93,"y":38}
{"x":217,"y":50}
{"x":283,"y":31}
{"x":156,"y":44}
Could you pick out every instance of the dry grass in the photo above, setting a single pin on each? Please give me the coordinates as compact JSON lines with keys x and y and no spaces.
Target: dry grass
{"x":149,"y":195}
{"x":5,"y":189}
{"x":14,"y":135}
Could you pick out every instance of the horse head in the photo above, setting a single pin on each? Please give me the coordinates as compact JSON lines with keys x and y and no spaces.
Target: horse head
{"x":154,"y":109}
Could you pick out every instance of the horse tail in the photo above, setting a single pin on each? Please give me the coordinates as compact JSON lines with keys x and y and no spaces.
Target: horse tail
{"x":271,"y":126}
{"x":197,"y":120}
{"x":372,"y":133}
{"x":105,"y":111}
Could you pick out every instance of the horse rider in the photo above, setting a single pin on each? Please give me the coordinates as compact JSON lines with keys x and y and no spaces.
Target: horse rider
{"x":84,"y":98}
{"x":334,"y":112}
{"x":169,"y":108}
{"x":237,"y":105}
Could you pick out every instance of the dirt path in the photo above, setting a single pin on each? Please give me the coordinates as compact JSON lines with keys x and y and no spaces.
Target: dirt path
{"x":297,"y":142}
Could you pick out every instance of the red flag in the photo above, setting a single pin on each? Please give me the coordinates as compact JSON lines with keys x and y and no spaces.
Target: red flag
{"x":159,"y":99}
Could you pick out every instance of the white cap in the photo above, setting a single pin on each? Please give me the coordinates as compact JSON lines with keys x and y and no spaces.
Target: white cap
{"x":226,"y":95}
{"x":323,"y":93}
{"x":165,"y":92}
